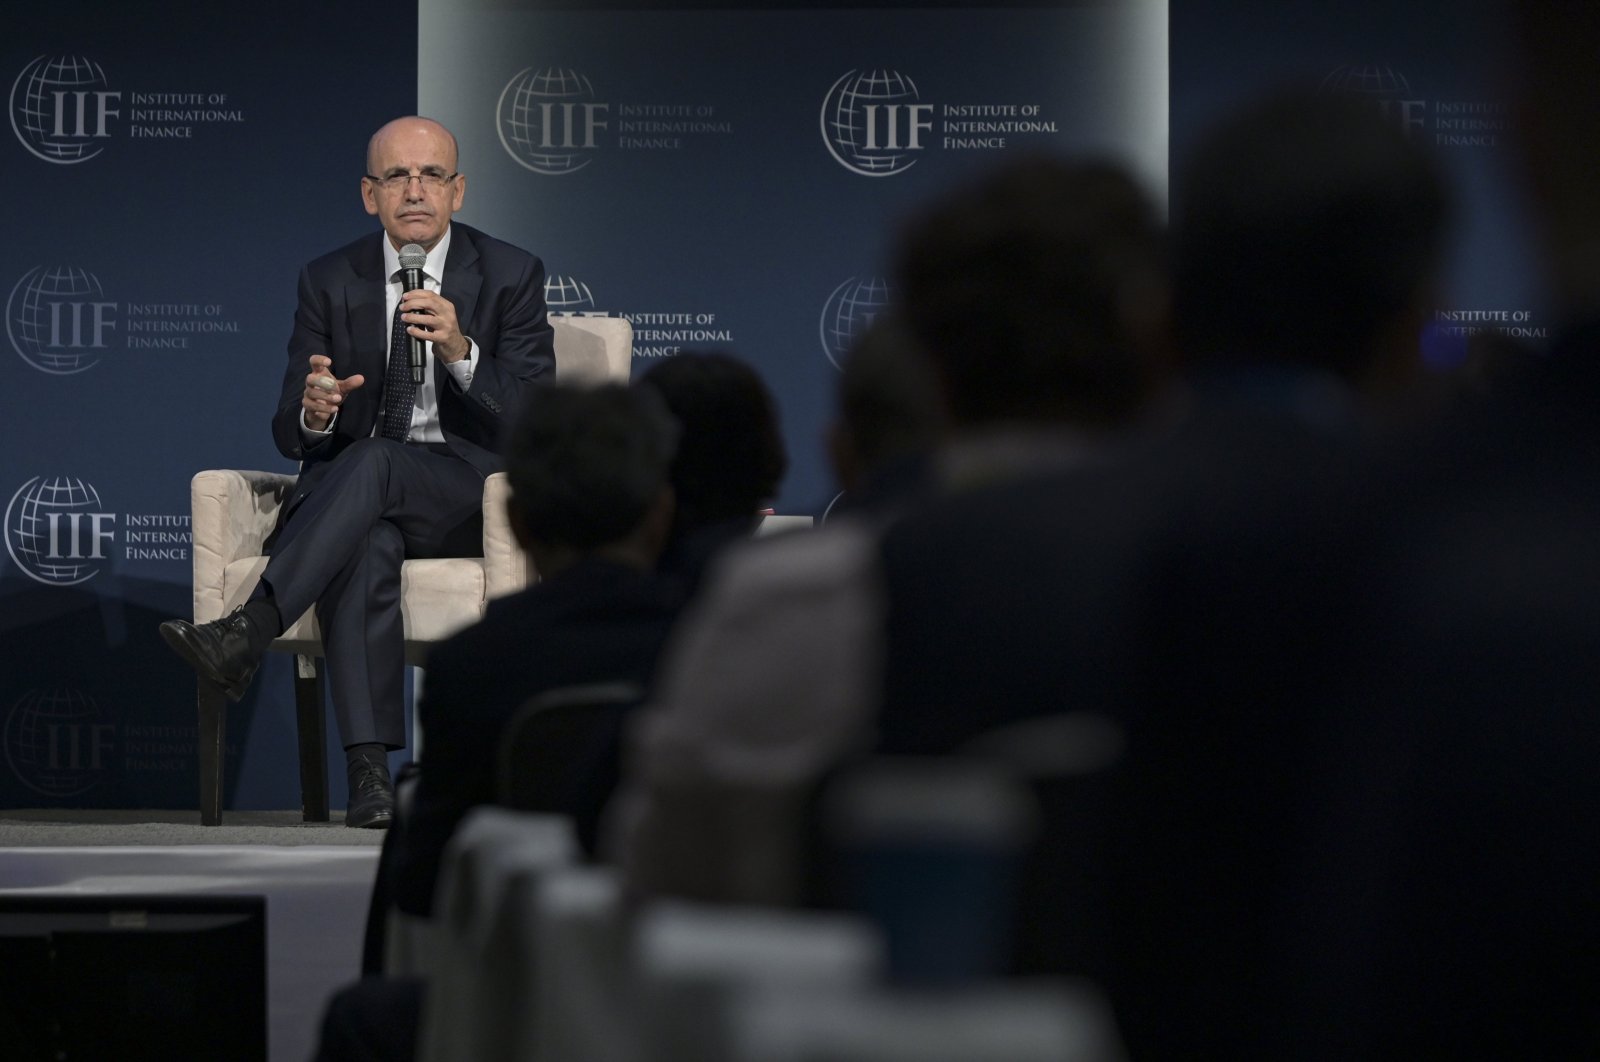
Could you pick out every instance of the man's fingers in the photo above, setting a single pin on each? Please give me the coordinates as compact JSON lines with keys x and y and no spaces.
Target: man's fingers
{"x":350,"y":383}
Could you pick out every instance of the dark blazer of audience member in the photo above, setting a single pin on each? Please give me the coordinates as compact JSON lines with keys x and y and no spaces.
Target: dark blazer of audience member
{"x":730,"y":459}
{"x":592,"y":505}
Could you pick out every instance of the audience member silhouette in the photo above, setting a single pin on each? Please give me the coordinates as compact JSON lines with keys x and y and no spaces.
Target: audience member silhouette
{"x":1039,"y":298}
{"x":1362,"y":771}
{"x":730,"y":457}
{"x":888,"y":421}
{"x":591,"y":504}
{"x":1427,"y":892}
{"x":1035,"y":305}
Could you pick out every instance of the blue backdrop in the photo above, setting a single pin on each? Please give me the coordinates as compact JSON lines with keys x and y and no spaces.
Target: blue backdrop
{"x":169,"y":168}
{"x":728,"y":177}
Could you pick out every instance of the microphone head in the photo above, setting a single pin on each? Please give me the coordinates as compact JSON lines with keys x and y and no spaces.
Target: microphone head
{"x":412,"y":256}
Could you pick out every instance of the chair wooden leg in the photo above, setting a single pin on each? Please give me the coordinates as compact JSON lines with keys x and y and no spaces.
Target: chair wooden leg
{"x":213,"y":705}
{"x":309,"y":720}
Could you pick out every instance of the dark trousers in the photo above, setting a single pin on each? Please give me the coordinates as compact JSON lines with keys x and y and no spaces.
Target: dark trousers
{"x":376,"y":504}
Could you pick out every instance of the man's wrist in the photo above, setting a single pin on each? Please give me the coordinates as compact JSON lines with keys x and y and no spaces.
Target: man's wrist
{"x":450,"y":357}
{"x":461,"y":370}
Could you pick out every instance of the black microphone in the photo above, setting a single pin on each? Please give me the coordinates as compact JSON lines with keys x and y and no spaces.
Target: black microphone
{"x":412,"y":259}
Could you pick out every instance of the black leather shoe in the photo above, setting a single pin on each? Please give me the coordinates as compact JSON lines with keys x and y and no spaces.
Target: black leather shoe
{"x":371,"y":795}
{"x":220,"y":651}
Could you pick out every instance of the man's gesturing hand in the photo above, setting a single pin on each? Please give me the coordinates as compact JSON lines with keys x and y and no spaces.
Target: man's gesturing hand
{"x":324,"y":392}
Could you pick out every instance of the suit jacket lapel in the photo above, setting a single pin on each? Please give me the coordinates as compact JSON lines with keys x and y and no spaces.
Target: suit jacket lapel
{"x":368,"y":350}
{"x":461,"y":277}
{"x":364,"y":313}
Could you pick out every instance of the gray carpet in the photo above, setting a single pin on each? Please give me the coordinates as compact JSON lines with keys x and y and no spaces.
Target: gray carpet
{"x":60,"y":828}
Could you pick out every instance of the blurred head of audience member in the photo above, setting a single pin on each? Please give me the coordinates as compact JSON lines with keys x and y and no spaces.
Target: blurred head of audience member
{"x":1307,"y":232}
{"x":888,"y":417}
{"x":730,"y":456}
{"x":1038,"y":296}
{"x":590,"y":476}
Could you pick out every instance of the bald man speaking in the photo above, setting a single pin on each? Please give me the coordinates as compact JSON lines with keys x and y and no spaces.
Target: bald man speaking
{"x":391,"y":466}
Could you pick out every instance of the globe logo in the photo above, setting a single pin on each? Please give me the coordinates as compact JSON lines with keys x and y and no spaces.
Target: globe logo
{"x":1373,"y":82}
{"x":59,"y":107}
{"x":871,"y":122}
{"x":55,"y":742}
{"x":547,"y":120}
{"x":567,"y":295}
{"x":47,"y":322}
{"x":847,"y":313}
{"x":1384,"y":89}
{"x":55,"y":530}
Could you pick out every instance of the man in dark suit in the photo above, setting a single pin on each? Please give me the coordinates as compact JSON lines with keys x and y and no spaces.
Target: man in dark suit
{"x":390,"y":467}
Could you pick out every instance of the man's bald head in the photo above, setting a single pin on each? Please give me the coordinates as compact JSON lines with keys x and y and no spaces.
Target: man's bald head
{"x":411,"y":125}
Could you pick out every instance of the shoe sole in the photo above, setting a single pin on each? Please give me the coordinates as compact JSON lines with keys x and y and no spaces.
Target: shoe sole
{"x":177,"y":637}
{"x":381,"y":821}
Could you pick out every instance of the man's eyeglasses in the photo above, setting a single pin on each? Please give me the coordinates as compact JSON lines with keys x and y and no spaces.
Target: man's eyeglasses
{"x":397,"y":182}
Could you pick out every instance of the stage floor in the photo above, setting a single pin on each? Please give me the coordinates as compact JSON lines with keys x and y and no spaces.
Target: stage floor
{"x":316,"y":893}
{"x":71,"y":828}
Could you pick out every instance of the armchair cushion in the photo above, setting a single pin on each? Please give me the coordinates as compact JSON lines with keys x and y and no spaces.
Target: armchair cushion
{"x":234,"y":512}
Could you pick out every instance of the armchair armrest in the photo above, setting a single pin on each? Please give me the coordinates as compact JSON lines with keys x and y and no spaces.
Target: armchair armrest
{"x":505,"y":566}
{"x":232,"y":513}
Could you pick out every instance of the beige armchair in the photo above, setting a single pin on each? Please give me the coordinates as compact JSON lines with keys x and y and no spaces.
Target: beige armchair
{"x":235,"y":511}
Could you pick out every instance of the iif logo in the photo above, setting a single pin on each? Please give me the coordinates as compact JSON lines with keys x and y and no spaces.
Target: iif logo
{"x":56,"y":742}
{"x":873,"y":123}
{"x":57,"y":531}
{"x":549,"y":120}
{"x":848,"y":312}
{"x":62,"y":107}
{"x":1388,"y":89}
{"x":567,"y":295}
{"x":59,"y":320}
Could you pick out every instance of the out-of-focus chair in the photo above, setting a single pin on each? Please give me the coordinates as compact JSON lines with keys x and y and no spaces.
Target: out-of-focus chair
{"x":1000,"y":1022}
{"x":931,"y":849}
{"x":561,"y":753}
{"x":773,"y":523}
{"x":583,"y":1002}
{"x":1067,"y":760}
{"x":480,"y":951}
{"x":233,"y":513}
{"x":694,"y":962}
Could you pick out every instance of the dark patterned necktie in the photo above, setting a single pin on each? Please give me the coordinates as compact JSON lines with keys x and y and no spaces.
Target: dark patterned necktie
{"x":399,"y":392}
